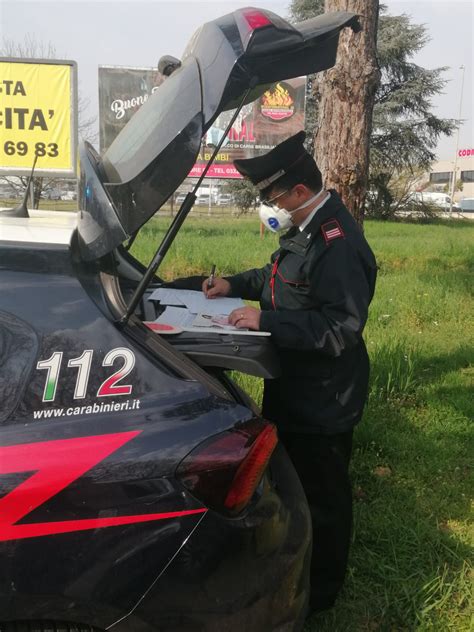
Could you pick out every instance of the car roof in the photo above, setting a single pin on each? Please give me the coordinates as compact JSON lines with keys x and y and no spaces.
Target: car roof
{"x":45,"y":227}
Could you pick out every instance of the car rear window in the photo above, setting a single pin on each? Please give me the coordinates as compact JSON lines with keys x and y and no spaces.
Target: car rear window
{"x":156,"y":124}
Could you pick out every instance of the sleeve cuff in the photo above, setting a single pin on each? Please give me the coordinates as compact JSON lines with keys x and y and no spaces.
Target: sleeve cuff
{"x":268,"y":321}
{"x":236,"y":286}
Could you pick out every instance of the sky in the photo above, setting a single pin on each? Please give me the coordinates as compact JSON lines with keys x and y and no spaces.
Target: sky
{"x":138,"y":33}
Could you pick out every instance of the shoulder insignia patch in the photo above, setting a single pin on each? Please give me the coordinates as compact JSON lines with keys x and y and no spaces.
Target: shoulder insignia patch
{"x":331,"y":230}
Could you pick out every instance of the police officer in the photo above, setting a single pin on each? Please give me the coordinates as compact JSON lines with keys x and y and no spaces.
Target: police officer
{"x":314,"y":297}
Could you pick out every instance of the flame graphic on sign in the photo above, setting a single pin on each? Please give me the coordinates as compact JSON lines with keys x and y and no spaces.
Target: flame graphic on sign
{"x":280,"y":97}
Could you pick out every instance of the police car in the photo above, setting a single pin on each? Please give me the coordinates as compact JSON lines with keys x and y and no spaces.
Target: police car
{"x":140,"y":489}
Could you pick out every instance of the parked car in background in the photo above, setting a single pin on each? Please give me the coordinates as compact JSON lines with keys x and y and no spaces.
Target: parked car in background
{"x":441,"y":200}
{"x":69,"y":195}
{"x":179,"y":198}
{"x":52,"y":194}
{"x":203,"y":199}
{"x":224,"y":199}
{"x":467,"y":205}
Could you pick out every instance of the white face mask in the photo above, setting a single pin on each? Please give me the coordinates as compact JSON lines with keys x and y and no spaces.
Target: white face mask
{"x":278,"y":219}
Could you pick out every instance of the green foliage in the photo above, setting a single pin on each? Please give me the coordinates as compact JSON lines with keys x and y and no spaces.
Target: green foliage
{"x":409,"y":561}
{"x":305,"y":9}
{"x":405,"y":131}
{"x":397,"y":370}
{"x":459,"y":185}
{"x":379,"y":200}
{"x":391,"y":197}
{"x":243,"y":193}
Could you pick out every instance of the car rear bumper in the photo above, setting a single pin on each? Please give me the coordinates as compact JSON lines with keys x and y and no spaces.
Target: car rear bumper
{"x":249,"y":573}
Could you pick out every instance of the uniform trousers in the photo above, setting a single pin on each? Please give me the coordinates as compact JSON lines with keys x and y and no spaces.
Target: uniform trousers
{"x":322,"y":464}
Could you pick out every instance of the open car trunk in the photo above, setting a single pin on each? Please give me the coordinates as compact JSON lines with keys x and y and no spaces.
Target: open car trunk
{"x":254,"y":355}
{"x":229,"y":61}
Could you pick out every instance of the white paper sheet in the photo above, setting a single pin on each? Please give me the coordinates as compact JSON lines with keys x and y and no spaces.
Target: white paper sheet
{"x":196,"y":302}
{"x":205,"y":323}
{"x":176,"y":316}
{"x":166,"y":296}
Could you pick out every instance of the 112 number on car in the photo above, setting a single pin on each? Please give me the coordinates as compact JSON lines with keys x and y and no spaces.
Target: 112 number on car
{"x":83,"y":363}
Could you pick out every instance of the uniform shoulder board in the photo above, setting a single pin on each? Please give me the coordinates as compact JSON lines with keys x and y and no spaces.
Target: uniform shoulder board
{"x":331,"y":230}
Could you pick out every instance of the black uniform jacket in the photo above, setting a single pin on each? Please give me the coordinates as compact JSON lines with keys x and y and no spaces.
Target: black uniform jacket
{"x":315,"y":295}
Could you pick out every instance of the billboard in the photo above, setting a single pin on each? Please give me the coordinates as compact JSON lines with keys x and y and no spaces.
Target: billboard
{"x":278,"y":114}
{"x":38,"y":116}
{"x":122,"y":91}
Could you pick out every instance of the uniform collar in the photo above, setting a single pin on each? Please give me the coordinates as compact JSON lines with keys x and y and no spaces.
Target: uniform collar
{"x":296,"y":240}
{"x":331,"y":208}
{"x":306,"y":222}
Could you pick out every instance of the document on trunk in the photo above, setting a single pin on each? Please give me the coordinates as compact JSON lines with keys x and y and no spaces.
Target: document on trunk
{"x":205,"y":323}
{"x":196,"y":302}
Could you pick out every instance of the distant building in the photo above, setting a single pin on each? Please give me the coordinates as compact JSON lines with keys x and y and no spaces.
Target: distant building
{"x":441,"y":175}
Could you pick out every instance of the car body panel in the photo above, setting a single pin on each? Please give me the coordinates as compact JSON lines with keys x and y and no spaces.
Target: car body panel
{"x":168,"y":414}
{"x":42,"y":227}
{"x":241,"y":575}
{"x":93,"y":522}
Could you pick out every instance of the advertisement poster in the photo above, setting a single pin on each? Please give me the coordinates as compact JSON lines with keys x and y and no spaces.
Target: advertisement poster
{"x":276,"y":115}
{"x":38,"y":117}
{"x":122,"y":91}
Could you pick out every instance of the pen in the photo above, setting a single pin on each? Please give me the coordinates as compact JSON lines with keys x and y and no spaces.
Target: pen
{"x":210,"y":281}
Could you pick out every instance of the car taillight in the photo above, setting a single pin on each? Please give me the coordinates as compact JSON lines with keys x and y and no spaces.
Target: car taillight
{"x":255,"y":19}
{"x":224,"y":471}
{"x":248,"y":21}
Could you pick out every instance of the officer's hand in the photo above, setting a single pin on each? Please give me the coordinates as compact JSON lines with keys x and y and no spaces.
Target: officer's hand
{"x":246,"y":318}
{"x":220,"y":287}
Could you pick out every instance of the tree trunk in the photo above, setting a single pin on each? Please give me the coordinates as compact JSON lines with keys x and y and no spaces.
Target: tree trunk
{"x":346,"y":95}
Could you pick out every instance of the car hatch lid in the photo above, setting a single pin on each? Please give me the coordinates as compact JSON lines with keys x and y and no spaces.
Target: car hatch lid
{"x":156,"y":150}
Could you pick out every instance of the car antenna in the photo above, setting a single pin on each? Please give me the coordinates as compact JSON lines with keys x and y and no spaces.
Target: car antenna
{"x":22,"y":209}
{"x":179,"y":218}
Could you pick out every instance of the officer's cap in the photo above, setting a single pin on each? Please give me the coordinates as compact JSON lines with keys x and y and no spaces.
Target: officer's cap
{"x":264,"y":170}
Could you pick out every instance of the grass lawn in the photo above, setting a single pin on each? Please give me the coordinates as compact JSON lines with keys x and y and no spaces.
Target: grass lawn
{"x":409,"y":566}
